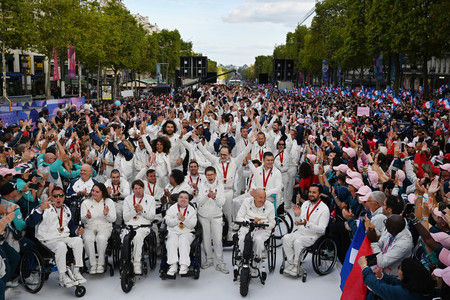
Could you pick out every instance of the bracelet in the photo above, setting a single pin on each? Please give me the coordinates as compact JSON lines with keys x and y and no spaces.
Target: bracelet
{"x":419,"y":196}
{"x":320,"y":175}
{"x":414,"y":220}
{"x":425,"y":218}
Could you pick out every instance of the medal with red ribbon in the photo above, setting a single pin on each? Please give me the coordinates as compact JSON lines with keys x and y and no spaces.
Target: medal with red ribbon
{"x":150,"y":189}
{"x":266,"y":179}
{"x":308,"y":214}
{"x":225,"y":172}
{"x":181,"y":225}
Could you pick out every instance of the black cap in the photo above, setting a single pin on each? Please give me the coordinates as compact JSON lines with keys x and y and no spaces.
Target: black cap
{"x":7,"y":188}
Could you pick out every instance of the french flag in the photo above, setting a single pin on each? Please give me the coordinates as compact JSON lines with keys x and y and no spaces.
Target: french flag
{"x":396,"y":101}
{"x":352,"y":284}
{"x":417,"y":111}
{"x":428,"y":105}
{"x":379,"y":101}
{"x":446,"y":104}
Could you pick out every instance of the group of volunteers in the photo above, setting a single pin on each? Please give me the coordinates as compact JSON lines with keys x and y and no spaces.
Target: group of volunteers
{"x":217,"y":155}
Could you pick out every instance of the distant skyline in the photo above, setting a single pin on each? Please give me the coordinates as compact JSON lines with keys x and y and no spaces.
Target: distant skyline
{"x":230,"y":32}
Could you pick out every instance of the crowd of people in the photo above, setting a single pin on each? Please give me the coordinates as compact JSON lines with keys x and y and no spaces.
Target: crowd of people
{"x":238,"y":153}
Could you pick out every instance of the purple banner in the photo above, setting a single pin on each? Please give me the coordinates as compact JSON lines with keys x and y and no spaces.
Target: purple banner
{"x":53,"y":104}
{"x":55,"y":66}
{"x":72,"y":74}
{"x":324,"y":71}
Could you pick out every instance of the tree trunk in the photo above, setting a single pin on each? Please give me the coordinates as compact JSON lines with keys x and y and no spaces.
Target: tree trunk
{"x":397,"y":73}
{"x":388,"y":78}
{"x":114,"y":87}
{"x":361,"y":77}
{"x":98,"y":84}
{"x":79,"y":81}
{"x":425,"y":75}
{"x":4,"y":70}
{"x":88,"y":89}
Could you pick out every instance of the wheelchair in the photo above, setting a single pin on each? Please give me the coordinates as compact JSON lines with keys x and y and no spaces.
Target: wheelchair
{"x":243,"y":262}
{"x":39,"y":263}
{"x":284,"y":223}
{"x":127,"y":275}
{"x":112,"y":250}
{"x":324,"y":256}
{"x":195,"y":253}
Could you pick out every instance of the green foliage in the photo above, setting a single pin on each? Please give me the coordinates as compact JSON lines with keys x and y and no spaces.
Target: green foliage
{"x":263,"y":64}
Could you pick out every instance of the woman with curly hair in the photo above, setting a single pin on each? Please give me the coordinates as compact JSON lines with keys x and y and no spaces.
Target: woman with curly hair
{"x":159,"y":158}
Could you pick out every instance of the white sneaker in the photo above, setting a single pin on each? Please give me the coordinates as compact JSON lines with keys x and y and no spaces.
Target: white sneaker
{"x":78,"y":277}
{"x":66,"y":281}
{"x":230,"y":236}
{"x":184,"y":269}
{"x":100,"y":269}
{"x":93,"y":270}
{"x":172,"y":270}
{"x":12,"y":284}
{"x":292,"y":270}
{"x":264,"y":254}
{"x":33,"y":279}
{"x":235,"y":227}
{"x":137,"y":269}
{"x":222,"y":268}
{"x":207,"y":264}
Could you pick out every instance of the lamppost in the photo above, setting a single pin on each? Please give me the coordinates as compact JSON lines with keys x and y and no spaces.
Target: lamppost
{"x":139,"y":82}
{"x":88,"y":89}
{"x":432,"y":72}
{"x":25,"y":68}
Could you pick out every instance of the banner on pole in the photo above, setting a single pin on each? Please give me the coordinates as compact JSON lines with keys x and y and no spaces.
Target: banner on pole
{"x":324,"y":71}
{"x":55,"y":66}
{"x":72,"y":74}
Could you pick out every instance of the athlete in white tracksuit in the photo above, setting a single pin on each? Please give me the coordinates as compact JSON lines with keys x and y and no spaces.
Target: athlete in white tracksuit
{"x":210,"y":201}
{"x":138,"y":209}
{"x":97,"y":213}
{"x":181,"y":219}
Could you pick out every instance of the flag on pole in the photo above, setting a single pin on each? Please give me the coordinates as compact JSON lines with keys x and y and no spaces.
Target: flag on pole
{"x":428,"y":104}
{"x":55,"y":66}
{"x":72,"y":74}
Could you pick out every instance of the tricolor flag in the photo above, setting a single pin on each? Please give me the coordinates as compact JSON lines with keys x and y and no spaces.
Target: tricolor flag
{"x":428,"y":104}
{"x":396,"y":100}
{"x":417,"y":111}
{"x":352,"y":284}
{"x":379,"y":101}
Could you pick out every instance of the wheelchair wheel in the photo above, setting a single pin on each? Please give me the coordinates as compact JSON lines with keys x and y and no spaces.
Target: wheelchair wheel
{"x":152,"y":251}
{"x":80,"y":291}
{"x":235,"y":250}
{"x":32,"y":271}
{"x":288,"y":218}
{"x":244,"y":281}
{"x":271,"y":254}
{"x":324,"y":256}
{"x":126,"y":279}
{"x":280,"y":230}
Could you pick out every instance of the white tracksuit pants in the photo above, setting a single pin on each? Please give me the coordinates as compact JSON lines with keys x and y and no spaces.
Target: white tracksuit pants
{"x":212,"y":229}
{"x":179,"y":243}
{"x":119,"y":212}
{"x":294,"y":243}
{"x":99,"y":236}
{"x":138,"y":242}
{"x":285,"y":180}
{"x":59,"y":247}
{"x":259,"y":237}
{"x":289,"y":187}
{"x":227,"y":210}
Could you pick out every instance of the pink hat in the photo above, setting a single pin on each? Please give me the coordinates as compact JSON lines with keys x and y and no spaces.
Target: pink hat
{"x":444,"y":273}
{"x":373,"y":178}
{"x":445,"y":167}
{"x":401,"y":177}
{"x":444,"y":256}
{"x":311,"y":157}
{"x":356,"y":182}
{"x":352,"y":174}
{"x":364,"y":193}
{"x":301,"y":121}
{"x":6,"y":171}
{"x":350,"y":152}
{"x":411,"y":145}
{"x":342,"y":168}
{"x":438,"y":213}
{"x":412,"y":198}
{"x":105,"y":121}
{"x":442,"y":237}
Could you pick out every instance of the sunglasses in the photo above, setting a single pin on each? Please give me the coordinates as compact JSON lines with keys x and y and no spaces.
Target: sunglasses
{"x":58,"y":196}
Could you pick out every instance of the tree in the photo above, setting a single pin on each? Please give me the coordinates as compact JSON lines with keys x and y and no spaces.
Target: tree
{"x":263,"y":64}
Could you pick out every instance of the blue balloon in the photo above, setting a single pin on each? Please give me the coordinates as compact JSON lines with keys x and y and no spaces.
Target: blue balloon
{"x":117,"y":103}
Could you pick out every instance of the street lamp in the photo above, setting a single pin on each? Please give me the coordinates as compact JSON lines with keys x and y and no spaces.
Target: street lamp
{"x":88,"y":89}
{"x":25,"y":68}
{"x":432,"y":72}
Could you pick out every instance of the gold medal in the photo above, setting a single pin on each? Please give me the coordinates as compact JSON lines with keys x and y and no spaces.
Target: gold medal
{"x":281,"y":164}
{"x":135,"y":218}
{"x":224,"y":181}
{"x":61,"y":229}
{"x":181,"y":226}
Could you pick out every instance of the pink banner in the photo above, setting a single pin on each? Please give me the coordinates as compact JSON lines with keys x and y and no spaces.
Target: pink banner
{"x":55,"y":66}
{"x":363,"y":111}
{"x":72,"y":74}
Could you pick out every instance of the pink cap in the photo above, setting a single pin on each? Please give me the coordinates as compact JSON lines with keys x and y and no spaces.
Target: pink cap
{"x":342,"y":168}
{"x":444,"y":256}
{"x":438,"y":213}
{"x":350,"y":152}
{"x":442,"y":237}
{"x":312,"y":158}
{"x":6,"y":171}
{"x":445,"y":167}
{"x":352,"y":174}
{"x":401,"y":177}
{"x":373,"y":178}
{"x":301,"y":121}
{"x":356,"y":182}
{"x":444,"y":273}
{"x":105,"y":121}
{"x":364,"y":193}
{"x":411,"y":145}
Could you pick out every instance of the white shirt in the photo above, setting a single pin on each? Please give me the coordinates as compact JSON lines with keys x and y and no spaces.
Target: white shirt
{"x":124,"y":188}
{"x":249,"y":211}
{"x":98,"y":219}
{"x":273,"y":178}
{"x":145,"y":217}
{"x":317,"y":223}
{"x":208,"y":207}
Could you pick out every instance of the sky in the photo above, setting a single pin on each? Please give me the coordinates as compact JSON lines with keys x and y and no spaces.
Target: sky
{"x":230,"y":31}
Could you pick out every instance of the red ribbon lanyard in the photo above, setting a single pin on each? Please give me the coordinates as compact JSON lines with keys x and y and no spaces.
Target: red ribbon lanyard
{"x":150,"y":189}
{"x":308,"y":214}
{"x":196,"y":183}
{"x":265,"y":179}
{"x":281,"y":154}
{"x":246,"y":143}
{"x":185,"y":210}
{"x":261,"y":154}
{"x":250,"y":183}
{"x":134,"y":200}
{"x":60,"y":218}
{"x":225,"y":171}
{"x":114,"y":189}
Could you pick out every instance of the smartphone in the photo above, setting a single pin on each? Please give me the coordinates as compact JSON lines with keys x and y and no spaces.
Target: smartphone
{"x":33,"y":186}
{"x":39,"y":179}
{"x":371,"y":260}
{"x":402,"y":147}
{"x":408,"y":209}
{"x":393,"y":172}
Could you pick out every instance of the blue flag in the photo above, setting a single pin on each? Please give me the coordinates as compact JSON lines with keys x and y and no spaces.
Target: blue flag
{"x":357,"y":241}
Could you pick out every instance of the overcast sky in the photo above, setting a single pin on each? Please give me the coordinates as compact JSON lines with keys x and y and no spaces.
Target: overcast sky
{"x":229,"y":31}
